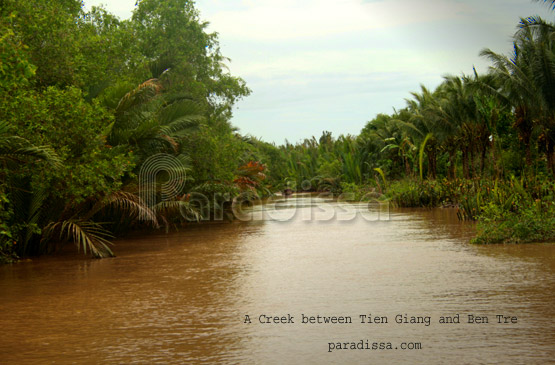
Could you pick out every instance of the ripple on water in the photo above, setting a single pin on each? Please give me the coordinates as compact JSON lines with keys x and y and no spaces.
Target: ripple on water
{"x":183,"y":296}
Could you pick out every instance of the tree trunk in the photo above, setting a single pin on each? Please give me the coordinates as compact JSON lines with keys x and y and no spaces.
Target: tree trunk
{"x":550,"y":156}
{"x":483,"y":160}
{"x":451,"y":171}
{"x":435,"y":165}
{"x":466,"y":174}
{"x":472,"y":164}
{"x":495,"y":170}
{"x":407,"y":167}
{"x":524,"y":126}
{"x":432,"y":164}
{"x":528,"y":155}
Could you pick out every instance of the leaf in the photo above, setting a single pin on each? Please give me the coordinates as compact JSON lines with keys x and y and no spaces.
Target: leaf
{"x":421,"y":153}
{"x":87,"y":235}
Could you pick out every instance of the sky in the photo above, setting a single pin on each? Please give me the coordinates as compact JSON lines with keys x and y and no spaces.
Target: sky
{"x":333,"y":65}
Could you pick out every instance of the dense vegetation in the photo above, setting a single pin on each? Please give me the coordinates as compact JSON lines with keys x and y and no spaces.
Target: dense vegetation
{"x":88,"y":100}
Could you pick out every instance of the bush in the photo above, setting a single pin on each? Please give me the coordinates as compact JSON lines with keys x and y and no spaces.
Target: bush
{"x":7,"y":234}
{"x":359,"y":192}
{"x":412,"y":193}
{"x":527,"y":225}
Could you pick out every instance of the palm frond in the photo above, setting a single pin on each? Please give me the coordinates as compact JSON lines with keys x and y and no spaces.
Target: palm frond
{"x":176,"y":109}
{"x":181,"y":126}
{"x":45,"y":153}
{"x":126,"y":203}
{"x":139,"y":95}
{"x":88,"y":235}
{"x":175,"y":208}
{"x":18,"y":149}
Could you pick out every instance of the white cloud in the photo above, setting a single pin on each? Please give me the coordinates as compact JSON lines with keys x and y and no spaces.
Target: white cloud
{"x":120,"y":8}
{"x":346,"y":62}
{"x":318,"y":65}
{"x":283,"y":20}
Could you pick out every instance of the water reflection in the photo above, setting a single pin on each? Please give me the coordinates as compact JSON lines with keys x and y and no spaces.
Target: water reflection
{"x":184,"y":296}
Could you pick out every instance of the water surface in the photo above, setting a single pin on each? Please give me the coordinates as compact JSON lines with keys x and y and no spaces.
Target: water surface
{"x":183,"y":297}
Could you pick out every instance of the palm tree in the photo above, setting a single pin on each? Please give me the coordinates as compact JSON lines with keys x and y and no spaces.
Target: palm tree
{"x":491,"y":107}
{"x":473,"y":111}
{"x":152,"y":122}
{"x":518,"y":88}
{"x":34,"y":210}
{"x":527,"y":81}
{"x":433,"y":129}
{"x":453,"y":111}
{"x":536,"y":38}
{"x":16,"y":151}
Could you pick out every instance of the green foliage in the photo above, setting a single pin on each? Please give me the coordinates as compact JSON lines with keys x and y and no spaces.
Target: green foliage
{"x":215,"y":154}
{"x":7,"y":231}
{"x":15,"y":68}
{"x":382,"y":175}
{"x":75,"y":128}
{"x":412,"y":193}
{"x":359,"y":192}
{"x":421,"y":154}
{"x":528,"y":225}
{"x":49,"y":30}
{"x":172,"y":33}
{"x":150,"y":122}
{"x":513,"y":213}
{"x":330,"y":169}
{"x":88,"y":98}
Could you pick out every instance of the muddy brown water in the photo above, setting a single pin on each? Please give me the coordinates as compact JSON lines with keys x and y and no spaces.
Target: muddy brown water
{"x":184,"y":297}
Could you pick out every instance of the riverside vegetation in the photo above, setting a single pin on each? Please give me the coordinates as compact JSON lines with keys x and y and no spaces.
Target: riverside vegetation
{"x":87,"y":98}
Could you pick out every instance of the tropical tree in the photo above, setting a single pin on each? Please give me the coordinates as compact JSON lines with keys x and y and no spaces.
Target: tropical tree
{"x":151,"y":122}
{"x":172,"y":34}
{"x":527,"y":81}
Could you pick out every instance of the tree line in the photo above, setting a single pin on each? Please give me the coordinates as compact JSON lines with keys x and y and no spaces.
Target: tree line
{"x":88,"y":99}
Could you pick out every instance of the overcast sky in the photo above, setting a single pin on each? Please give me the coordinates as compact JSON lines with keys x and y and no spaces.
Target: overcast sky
{"x":332,"y":65}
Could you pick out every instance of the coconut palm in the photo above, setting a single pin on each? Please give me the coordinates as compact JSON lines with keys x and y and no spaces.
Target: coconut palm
{"x":527,"y":81}
{"x":433,"y":129}
{"x":152,"y":122}
{"x":536,"y":39}
{"x":518,"y":88}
